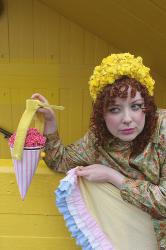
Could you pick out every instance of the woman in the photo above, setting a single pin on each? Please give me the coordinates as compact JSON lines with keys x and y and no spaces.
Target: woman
{"x":126,"y":141}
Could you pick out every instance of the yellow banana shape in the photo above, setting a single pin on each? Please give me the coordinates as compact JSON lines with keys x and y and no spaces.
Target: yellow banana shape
{"x":31,"y":107}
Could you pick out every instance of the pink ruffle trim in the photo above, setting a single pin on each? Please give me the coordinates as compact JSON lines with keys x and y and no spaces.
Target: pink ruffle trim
{"x":79,"y":221}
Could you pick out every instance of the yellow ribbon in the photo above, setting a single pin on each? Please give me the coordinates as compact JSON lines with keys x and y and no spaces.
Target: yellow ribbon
{"x":31,"y":107}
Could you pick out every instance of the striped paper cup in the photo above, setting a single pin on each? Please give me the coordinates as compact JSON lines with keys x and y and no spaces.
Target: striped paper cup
{"x":24,"y":169}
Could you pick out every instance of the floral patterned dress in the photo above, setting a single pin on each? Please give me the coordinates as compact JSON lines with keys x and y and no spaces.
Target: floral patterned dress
{"x":145,"y":185}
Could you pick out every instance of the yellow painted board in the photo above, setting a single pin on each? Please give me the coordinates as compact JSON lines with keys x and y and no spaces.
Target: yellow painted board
{"x":77,"y":44}
{"x":5,"y":120}
{"x":4,"y":41}
{"x":90,"y":40}
{"x":53,"y":36}
{"x":33,"y":225}
{"x":40,"y":32}
{"x":44,"y":76}
{"x":44,"y":177}
{"x":20,"y":31}
{"x":25,"y":77}
{"x":5,"y":109}
{"x":31,"y":205}
{"x":39,"y":199}
{"x":101,"y":50}
{"x":43,"y":184}
{"x":37,"y":243}
{"x":65,"y":40}
{"x":46,"y":34}
{"x":40,"y":196}
{"x":148,"y":14}
{"x":74,"y":71}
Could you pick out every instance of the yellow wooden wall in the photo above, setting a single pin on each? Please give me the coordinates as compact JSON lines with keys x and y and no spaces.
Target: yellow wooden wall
{"x":41,"y":51}
{"x":35,"y":223}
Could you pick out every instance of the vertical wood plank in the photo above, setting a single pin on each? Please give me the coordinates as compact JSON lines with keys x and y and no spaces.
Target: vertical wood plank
{"x":89,"y":48}
{"x":53,"y":29}
{"x":17,"y":107}
{"x":20,"y":29}
{"x":5,"y":121}
{"x":40,"y":32}
{"x":65,"y":40}
{"x":77,"y":44}
{"x":101,"y":50}
{"x":4,"y":41}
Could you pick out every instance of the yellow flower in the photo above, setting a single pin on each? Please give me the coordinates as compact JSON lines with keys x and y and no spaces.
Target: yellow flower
{"x":114,"y":67}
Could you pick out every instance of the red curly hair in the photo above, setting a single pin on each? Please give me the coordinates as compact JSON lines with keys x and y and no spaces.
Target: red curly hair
{"x":107,"y":97}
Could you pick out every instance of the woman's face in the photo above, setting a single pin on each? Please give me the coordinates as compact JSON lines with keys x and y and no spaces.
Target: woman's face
{"x":125,"y":119}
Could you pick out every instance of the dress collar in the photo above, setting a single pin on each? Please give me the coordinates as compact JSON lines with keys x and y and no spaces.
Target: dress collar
{"x":118,"y":145}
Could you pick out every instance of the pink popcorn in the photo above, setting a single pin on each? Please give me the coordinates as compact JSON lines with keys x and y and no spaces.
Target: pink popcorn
{"x":25,"y":167}
{"x":33,"y":139}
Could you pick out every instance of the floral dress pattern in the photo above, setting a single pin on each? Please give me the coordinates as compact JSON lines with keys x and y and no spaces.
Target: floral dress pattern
{"x":145,"y":185}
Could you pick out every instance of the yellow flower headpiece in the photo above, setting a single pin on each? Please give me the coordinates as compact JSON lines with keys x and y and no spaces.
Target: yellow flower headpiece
{"x":114,"y":67}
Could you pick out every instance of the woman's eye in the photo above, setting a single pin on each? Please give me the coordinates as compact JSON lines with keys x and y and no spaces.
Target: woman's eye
{"x":114,"y":110}
{"x":136,"y":106}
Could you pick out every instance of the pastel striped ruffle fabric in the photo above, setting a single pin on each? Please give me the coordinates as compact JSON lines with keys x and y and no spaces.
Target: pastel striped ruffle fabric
{"x":80,"y":223}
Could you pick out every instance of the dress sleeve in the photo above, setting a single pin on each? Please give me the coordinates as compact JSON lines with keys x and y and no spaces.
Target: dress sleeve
{"x":146,"y":195}
{"x":62,"y":158}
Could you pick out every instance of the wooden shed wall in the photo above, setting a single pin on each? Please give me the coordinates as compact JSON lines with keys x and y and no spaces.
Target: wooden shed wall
{"x":35,"y":223}
{"x":41,"y":51}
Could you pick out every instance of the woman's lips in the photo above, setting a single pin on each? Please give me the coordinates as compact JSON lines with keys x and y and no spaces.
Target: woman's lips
{"x":127,"y":131}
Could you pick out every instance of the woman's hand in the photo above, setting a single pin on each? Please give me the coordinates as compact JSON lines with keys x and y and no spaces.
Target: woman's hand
{"x":101,"y":173}
{"x":50,"y":123}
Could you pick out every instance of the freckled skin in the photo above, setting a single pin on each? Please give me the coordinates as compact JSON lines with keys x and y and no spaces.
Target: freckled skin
{"x":126,"y":114}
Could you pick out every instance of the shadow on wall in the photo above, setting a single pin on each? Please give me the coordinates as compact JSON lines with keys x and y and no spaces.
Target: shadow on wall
{"x":1,"y":7}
